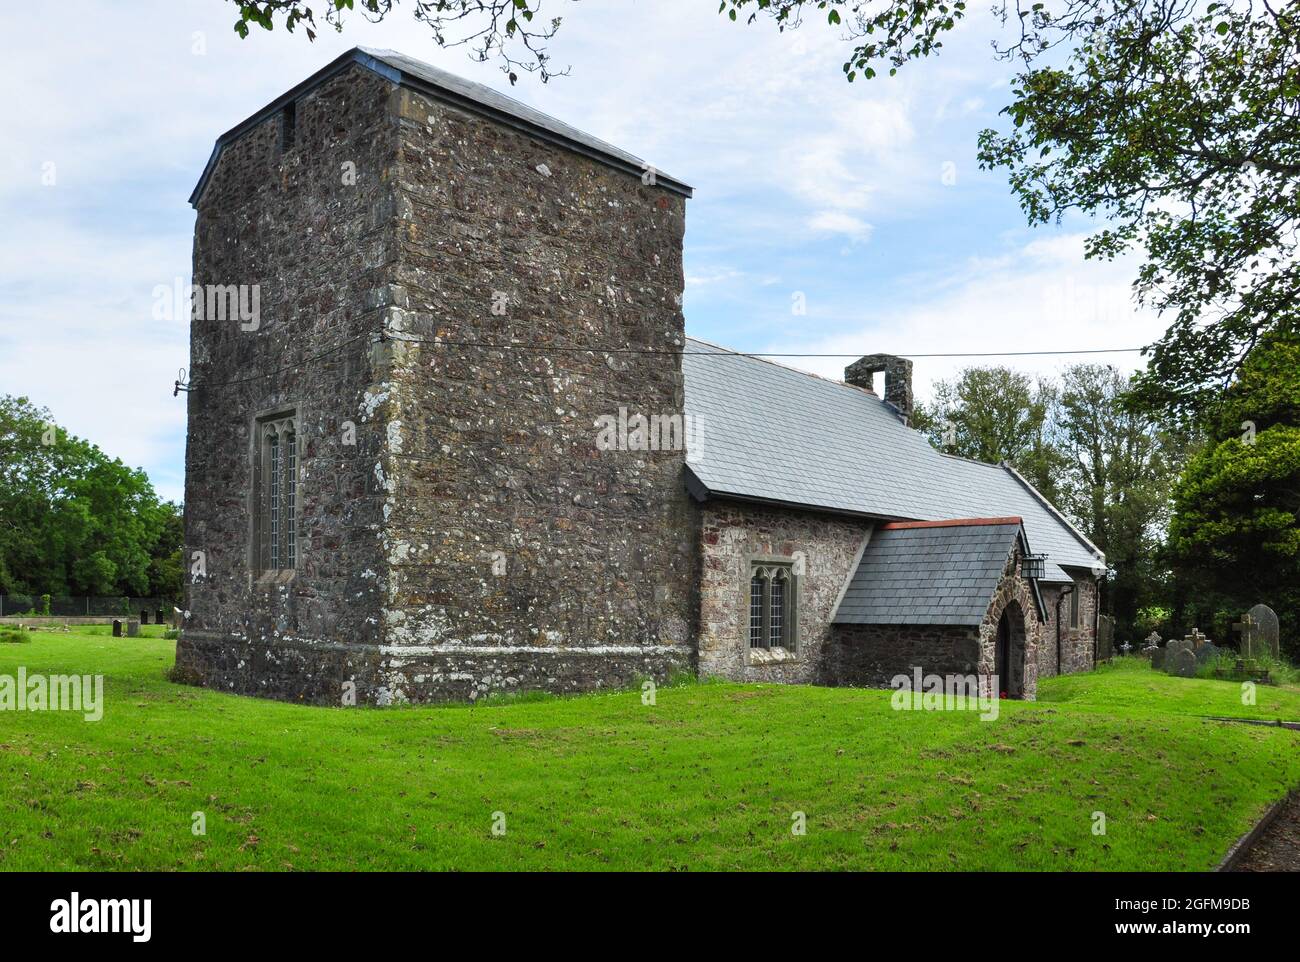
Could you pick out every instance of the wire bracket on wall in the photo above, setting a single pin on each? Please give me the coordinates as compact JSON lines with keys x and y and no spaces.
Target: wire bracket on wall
{"x":182,"y":383}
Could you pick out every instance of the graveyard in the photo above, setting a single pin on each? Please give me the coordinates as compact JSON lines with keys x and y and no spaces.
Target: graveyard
{"x":700,"y":776}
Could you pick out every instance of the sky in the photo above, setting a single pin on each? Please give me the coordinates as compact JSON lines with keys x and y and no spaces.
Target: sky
{"x":862,"y":203}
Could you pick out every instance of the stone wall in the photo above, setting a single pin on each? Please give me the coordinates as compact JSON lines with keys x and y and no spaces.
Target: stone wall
{"x":825,"y":550}
{"x":1076,"y":643}
{"x":283,"y":217}
{"x":509,"y":530}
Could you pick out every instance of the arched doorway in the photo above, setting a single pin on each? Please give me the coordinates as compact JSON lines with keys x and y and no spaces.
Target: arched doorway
{"x":1009,"y":657}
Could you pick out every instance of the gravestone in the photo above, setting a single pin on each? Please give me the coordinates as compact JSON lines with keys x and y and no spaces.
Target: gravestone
{"x":1154,"y":639}
{"x":1105,"y":637}
{"x":1207,"y":652}
{"x":1182,"y":663}
{"x":1158,"y":656}
{"x":117,"y":628}
{"x":1174,"y":648}
{"x":162,"y":616}
{"x":133,"y":629}
{"x":144,"y":617}
{"x":1263,"y":632}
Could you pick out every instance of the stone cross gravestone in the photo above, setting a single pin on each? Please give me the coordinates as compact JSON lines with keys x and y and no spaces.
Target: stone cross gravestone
{"x":1263,"y":632}
{"x":1183,"y":663}
{"x":117,"y":628}
{"x":133,"y":628}
{"x":1242,"y":630}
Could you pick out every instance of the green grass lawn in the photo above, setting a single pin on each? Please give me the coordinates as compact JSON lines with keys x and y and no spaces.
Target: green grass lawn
{"x":709,"y":778}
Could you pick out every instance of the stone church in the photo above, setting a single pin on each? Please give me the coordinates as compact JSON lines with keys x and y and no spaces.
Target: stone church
{"x":463,"y":445}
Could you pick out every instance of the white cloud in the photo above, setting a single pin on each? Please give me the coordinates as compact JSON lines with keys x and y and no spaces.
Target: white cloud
{"x":837,"y":222}
{"x":1040,"y":296}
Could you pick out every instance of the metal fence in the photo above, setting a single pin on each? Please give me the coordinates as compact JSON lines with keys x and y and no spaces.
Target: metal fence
{"x":71,"y":606}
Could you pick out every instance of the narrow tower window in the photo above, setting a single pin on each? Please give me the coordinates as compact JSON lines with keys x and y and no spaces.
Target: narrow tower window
{"x":275,"y":494}
{"x":288,"y":126}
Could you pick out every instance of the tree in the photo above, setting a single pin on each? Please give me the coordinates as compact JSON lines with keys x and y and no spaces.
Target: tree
{"x":166,"y":567}
{"x":1108,"y":467}
{"x":1235,"y":532}
{"x":72,"y":520}
{"x":500,"y":30}
{"x":1119,"y":466}
{"x":995,"y":414}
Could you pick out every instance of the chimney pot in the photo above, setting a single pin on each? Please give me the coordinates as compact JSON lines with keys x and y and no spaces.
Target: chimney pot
{"x":898,"y":379}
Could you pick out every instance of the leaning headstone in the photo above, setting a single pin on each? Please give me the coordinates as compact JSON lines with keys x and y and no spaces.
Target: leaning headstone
{"x":1207,"y":652}
{"x":1182,"y":663}
{"x":144,"y":616}
{"x":133,"y":629}
{"x":117,"y":628}
{"x":1172,"y":650}
{"x":1158,"y":656}
{"x":1264,"y":635}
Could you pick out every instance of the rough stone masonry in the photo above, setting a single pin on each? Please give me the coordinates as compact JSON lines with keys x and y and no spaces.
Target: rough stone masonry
{"x":455,"y":529}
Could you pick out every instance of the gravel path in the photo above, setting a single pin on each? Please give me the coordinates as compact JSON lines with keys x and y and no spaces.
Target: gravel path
{"x":1278,"y":849}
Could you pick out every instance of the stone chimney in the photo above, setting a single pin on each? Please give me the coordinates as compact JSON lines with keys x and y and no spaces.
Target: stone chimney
{"x":898,"y":379}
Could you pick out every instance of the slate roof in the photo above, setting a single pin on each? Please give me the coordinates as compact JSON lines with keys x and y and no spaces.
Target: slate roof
{"x":930,"y":575}
{"x":771,"y":433}
{"x":459,"y":92}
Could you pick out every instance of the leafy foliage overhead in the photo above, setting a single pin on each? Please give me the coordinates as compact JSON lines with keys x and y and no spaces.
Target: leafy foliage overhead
{"x":510,"y":32}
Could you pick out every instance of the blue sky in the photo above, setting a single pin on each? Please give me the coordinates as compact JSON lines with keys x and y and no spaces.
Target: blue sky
{"x":865,"y":198}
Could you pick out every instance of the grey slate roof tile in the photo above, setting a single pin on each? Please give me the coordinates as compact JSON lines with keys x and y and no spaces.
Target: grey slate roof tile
{"x":776,"y":434}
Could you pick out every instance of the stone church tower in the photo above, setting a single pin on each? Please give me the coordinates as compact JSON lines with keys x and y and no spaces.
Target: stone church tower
{"x":415,"y":298}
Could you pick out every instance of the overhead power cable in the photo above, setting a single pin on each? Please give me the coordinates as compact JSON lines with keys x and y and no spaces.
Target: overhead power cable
{"x":182,"y":385}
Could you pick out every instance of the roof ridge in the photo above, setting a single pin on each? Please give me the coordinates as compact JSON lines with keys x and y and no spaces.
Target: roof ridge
{"x":952,"y":523}
{"x":785,"y":367}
